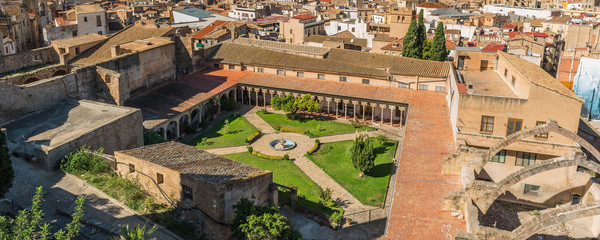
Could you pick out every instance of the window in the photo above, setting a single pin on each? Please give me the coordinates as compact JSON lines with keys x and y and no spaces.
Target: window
{"x":131,"y":168}
{"x":423,"y":87}
{"x":500,"y":157}
{"x":159,"y":178}
{"x":75,"y":33}
{"x":366,"y":81}
{"x":513,"y":126}
{"x":231,"y":67}
{"x":487,"y":124}
{"x":77,"y":50}
{"x":506,"y":72}
{"x":343,"y":79}
{"x":85,"y":19}
{"x":339,"y":28}
{"x":98,"y":21}
{"x":525,"y":159}
{"x":300,"y":74}
{"x":440,"y":89}
{"x":280,"y":72}
{"x":531,"y":189}
{"x":321,"y":76}
{"x":353,"y":29}
{"x":187,"y":192}
{"x":260,"y":70}
{"x":541,"y":135}
{"x":402,"y":85}
{"x":99,"y":32}
{"x":291,"y":31}
{"x":513,"y":81}
{"x":216,"y":65}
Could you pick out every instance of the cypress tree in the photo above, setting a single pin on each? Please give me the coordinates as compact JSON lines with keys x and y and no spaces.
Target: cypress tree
{"x":438,"y":51}
{"x":7,"y":173}
{"x":409,"y":39}
{"x":420,"y":37}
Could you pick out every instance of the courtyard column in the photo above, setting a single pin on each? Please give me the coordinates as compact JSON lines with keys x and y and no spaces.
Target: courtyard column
{"x":242,"y":95}
{"x":164,"y":132}
{"x":176,"y":129}
{"x":235,"y":95}
{"x":364,"y":106}
{"x":328,"y":99}
{"x":392,"y":111}
{"x":373,"y":106}
{"x":200,"y":114}
{"x":264,"y":91}
{"x":402,"y":111}
{"x":354,"y":110}
{"x":320,"y":98}
{"x":346,"y":108}
{"x":337,"y":102}
{"x":382,"y":106}
{"x":218,"y":105}
{"x":256,"y":90}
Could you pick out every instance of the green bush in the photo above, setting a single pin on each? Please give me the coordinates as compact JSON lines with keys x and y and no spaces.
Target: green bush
{"x":294,"y":130}
{"x":228,"y":104}
{"x":317,"y":141}
{"x":382,"y":139}
{"x":253,"y":136}
{"x":83,"y":160}
{"x":250,"y":149}
{"x":286,"y":157}
{"x":314,"y":148}
{"x":337,"y":215}
{"x":262,"y":155}
{"x":153,"y":138}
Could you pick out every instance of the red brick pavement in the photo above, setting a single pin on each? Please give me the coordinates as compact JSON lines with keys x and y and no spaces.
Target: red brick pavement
{"x":416,"y":211}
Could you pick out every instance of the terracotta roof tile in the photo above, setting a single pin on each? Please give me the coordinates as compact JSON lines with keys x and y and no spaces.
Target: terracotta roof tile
{"x":194,"y":162}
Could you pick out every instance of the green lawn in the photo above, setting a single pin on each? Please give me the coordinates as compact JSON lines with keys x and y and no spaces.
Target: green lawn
{"x":288,"y":174}
{"x":334,"y":159}
{"x":240,"y":129}
{"x":327,"y":127}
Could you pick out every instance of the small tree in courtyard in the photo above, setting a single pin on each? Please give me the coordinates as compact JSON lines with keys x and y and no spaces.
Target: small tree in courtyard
{"x":362,"y":154}
{"x":292,"y":105}
{"x":437,"y":50}
{"x":7,"y":173}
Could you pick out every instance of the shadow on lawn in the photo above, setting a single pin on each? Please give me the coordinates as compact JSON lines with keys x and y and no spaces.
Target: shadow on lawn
{"x":381,"y":170}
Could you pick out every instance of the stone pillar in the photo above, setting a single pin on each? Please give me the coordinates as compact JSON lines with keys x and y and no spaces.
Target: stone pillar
{"x":346,"y":108}
{"x":382,"y":107}
{"x":337,"y":101}
{"x":392,"y":111}
{"x":256,"y":96}
{"x":242,"y":96}
{"x":273,"y":189}
{"x":218,"y":105}
{"x":320,"y":98}
{"x":364,"y":106}
{"x":164,"y":133}
{"x":177,"y":130}
{"x":328,"y":99}
{"x":354,"y":110}
{"x":373,"y":105}
{"x":235,"y":95}
{"x":402,"y":112}
{"x":264,"y":91}
{"x":200,"y":114}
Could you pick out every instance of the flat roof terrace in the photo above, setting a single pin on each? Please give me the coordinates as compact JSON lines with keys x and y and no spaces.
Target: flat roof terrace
{"x":488,"y":83}
{"x":173,"y":98}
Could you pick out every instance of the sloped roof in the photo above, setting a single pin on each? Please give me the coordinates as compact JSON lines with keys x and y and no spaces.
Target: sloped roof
{"x":79,"y":40}
{"x":208,"y":29}
{"x":194,"y":162}
{"x":102,"y":51}
{"x":304,"y":17}
{"x":344,"y":34}
{"x":538,"y":76}
{"x":493,"y":48}
{"x":88,"y":8}
{"x":353,"y":40}
{"x":432,"y":5}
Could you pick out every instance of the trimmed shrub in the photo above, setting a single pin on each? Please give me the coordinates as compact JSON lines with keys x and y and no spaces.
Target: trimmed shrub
{"x":293,"y":130}
{"x":250,"y":149}
{"x":286,"y":157}
{"x":262,"y":155}
{"x":252,"y":137}
{"x":317,"y":141}
{"x":314,"y":148}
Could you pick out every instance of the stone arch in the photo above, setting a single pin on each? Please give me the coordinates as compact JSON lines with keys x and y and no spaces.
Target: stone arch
{"x":172,"y":131}
{"x":195,"y":116}
{"x":550,"y":126}
{"x":59,"y":73}
{"x":31,"y":80}
{"x":555,"y":216}
{"x":184,"y":121}
{"x":485,"y":193}
{"x":231,"y":94}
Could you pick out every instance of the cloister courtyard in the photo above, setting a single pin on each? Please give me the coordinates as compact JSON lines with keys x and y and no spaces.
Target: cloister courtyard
{"x":320,"y":159}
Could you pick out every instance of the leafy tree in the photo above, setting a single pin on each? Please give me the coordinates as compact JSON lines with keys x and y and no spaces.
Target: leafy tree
{"x":137,"y":233}
{"x":292,"y":105}
{"x":438,"y":51}
{"x":267,"y":226}
{"x":243,"y":209}
{"x":427,"y":50}
{"x":7,"y":174}
{"x":362,"y":154}
{"x":409,"y":40}
{"x":153,"y":138}
{"x":27,"y":224}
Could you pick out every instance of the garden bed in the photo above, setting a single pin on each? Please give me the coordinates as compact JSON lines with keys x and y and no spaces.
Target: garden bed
{"x":310,"y":126}
{"x":216,"y":136}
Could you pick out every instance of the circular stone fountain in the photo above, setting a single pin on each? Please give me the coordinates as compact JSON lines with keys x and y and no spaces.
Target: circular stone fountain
{"x":282,"y":144}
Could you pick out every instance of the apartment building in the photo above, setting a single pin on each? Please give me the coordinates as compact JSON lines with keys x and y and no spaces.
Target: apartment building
{"x":91,"y":18}
{"x":300,"y":27}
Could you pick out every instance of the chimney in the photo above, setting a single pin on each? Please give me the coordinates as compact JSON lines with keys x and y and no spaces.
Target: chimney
{"x":114,"y":50}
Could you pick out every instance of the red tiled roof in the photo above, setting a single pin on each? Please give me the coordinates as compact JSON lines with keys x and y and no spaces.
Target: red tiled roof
{"x":462,"y":88}
{"x":537,"y":34}
{"x":208,"y":29}
{"x":509,"y":26}
{"x":513,"y":34}
{"x":304,"y":17}
{"x":493,"y":48}
{"x":450,"y":44}
{"x":433,"y":5}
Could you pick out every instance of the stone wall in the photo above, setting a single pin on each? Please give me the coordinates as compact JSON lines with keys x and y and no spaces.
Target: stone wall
{"x":55,"y":33}
{"x":31,"y":58}
{"x":35,"y":74}
{"x":16,"y":101}
{"x":187,"y":60}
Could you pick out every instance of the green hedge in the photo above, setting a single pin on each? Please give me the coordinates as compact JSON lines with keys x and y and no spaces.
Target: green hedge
{"x":262,"y":155}
{"x":253,"y":136}
{"x":294,"y":130}
{"x":314,"y":148}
